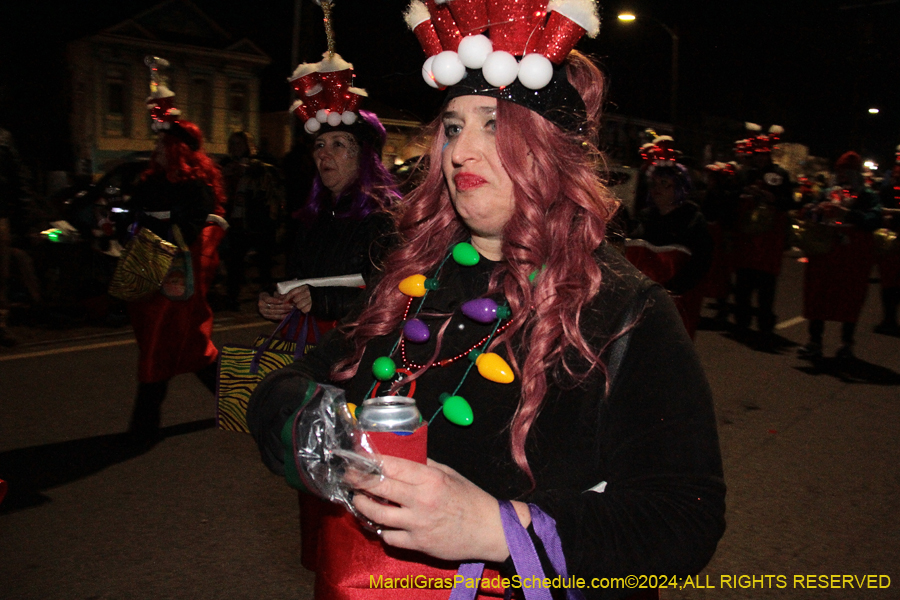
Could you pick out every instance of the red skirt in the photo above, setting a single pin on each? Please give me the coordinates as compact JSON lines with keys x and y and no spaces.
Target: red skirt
{"x":762,"y":251}
{"x":835,"y":284}
{"x":174,"y":336}
{"x":889,"y":270}
{"x":717,"y":283}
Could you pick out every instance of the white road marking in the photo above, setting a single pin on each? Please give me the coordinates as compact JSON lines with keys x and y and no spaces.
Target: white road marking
{"x":790,"y":323}
{"x":131,"y":340}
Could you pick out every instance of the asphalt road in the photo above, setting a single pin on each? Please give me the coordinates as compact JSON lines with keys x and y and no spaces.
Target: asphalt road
{"x":811,"y":460}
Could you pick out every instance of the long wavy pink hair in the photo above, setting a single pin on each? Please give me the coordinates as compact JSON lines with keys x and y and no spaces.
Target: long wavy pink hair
{"x":562,"y":211}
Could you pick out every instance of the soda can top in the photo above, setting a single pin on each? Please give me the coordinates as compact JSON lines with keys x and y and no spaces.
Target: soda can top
{"x":389,"y":413}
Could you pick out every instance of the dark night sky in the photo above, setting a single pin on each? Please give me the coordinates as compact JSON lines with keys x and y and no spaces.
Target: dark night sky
{"x":813,"y":67}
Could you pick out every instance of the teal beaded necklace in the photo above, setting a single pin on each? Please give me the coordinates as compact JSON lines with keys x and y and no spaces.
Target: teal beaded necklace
{"x":491,"y":366}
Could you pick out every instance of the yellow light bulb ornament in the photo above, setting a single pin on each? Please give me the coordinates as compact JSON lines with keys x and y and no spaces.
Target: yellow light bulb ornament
{"x":493,"y":368}
{"x":413,"y":286}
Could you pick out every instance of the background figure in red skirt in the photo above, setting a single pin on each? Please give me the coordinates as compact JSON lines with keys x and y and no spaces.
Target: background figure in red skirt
{"x":889,"y":259}
{"x":183,"y":187}
{"x":762,"y":232}
{"x":671,"y":220}
{"x":719,"y":206}
{"x":835,"y":283}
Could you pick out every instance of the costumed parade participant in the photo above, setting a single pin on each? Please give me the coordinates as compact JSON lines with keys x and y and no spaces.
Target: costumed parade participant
{"x":836,"y":277}
{"x":565,"y":414}
{"x":762,"y":231}
{"x":888,"y":246}
{"x":671,"y":242}
{"x":344,"y":229}
{"x":180,"y":199}
{"x":719,"y":206}
{"x":254,"y":210}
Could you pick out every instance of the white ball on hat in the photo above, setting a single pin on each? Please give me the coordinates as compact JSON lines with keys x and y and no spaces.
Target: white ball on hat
{"x":447,"y":68}
{"x":427,"y":75}
{"x":474,"y":49}
{"x":535,"y":71}
{"x":312,"y":125}
{"x":500,"y":68}
{"x":349,"y":117}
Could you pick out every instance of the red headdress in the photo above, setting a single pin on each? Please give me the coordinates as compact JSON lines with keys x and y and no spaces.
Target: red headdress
{"x":325,"y":91}
{"x":161,"y":104}
{"x":763,"y":142}
{"x":504,"y":48}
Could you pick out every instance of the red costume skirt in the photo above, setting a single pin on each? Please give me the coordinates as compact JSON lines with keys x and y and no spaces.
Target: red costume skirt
{"x":717,"y":283}
{"x":662,"y":263}
{"x":174,"y":336}
{"x":835,"y":284}
{"x":762,"y":251}
{"x":889,"y":270}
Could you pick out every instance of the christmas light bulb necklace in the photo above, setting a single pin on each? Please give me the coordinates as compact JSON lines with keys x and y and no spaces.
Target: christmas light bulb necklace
{"x":491,"y":366}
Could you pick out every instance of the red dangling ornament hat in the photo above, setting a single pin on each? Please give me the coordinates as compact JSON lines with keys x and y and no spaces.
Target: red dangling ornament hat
{"x":161,"y":104}
{"x":325,"y":92}
{"x":761,"y":142}
{"x":509,"y":49}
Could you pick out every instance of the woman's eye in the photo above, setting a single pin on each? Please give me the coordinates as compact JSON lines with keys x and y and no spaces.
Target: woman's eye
{"x":491,"y":125}
{"x":451,"y":130}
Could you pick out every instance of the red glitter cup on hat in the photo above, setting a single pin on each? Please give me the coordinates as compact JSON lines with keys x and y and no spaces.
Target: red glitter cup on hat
{"x":308,"y":85}
{"x":428,"y":38}
{"x":514,"y":23}
{"x":470,"y":15}
{"x":304,"y":112}
{"x":560,"y":35}
{"x":351,"y":101}
{"x":162,"y":108}
{"x":335,"y":84}
{"x":444,"y":24}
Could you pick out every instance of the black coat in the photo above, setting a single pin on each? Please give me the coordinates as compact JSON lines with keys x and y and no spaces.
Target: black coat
{"x":633,"y":478}
{"x":339,"y":246}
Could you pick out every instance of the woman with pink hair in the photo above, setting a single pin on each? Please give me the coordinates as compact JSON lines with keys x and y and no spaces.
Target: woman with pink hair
{"x":587,"y":428}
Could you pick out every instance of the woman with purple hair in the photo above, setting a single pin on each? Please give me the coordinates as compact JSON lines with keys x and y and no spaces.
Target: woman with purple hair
{"x":344,"y":228}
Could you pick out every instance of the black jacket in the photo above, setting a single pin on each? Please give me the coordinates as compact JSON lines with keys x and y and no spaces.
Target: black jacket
{"x":339,"y":246}
{"x":651,"y":444}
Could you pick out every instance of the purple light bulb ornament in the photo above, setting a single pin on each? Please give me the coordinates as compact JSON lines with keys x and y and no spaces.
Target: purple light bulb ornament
{"x":481,"y":310}
{"x":416,"y":331}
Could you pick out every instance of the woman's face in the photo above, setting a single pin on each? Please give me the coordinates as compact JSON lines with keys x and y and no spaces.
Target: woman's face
{"x":336,"y":155}
{"x":480,"y":188}
{"x":662,"y":192}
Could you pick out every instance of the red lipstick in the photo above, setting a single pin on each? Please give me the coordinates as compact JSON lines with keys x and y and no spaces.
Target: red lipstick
{"x":467,"y":181}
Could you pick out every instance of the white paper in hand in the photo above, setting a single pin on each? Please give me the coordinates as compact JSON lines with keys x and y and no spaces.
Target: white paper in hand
{"x":355,"y":280}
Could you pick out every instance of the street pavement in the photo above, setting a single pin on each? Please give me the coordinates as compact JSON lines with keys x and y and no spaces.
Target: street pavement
{"x":811,"y":462}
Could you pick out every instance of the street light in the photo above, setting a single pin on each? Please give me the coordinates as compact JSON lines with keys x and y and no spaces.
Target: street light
{"x":628,"y":17}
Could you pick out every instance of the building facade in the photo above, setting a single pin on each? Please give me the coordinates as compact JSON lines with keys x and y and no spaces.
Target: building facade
{"x":215,"y":80}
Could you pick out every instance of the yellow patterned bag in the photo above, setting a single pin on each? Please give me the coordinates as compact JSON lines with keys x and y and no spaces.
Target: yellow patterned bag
{"x":241,"y":368}
{"x":240,"y":371}
{"x":142,"y":267}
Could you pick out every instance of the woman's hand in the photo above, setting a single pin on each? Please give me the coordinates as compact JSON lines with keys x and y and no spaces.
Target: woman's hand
{"x":439,"y":512}
{"x":277,"y":307}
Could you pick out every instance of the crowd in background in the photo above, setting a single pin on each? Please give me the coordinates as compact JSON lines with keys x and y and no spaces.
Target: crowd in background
{"x":736,"y":219}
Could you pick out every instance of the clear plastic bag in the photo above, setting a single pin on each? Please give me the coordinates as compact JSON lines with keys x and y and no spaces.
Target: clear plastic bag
{"x":328,"y":442}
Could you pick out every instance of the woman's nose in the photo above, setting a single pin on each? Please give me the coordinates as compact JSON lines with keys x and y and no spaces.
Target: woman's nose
{"x":464,"y":147}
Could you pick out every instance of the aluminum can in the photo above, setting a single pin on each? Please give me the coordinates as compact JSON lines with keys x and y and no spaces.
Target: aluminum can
{"x":396,"y":414}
